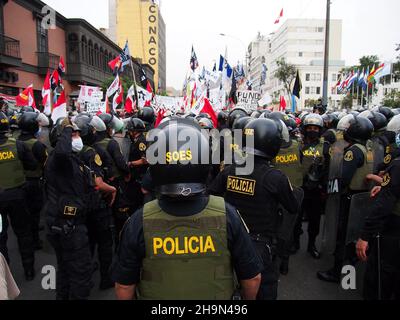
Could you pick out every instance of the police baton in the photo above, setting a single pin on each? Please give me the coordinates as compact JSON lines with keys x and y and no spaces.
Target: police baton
{"x":378,"y":243}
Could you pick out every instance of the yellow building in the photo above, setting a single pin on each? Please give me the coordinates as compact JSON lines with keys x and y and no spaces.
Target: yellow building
{"x":141,"y":23}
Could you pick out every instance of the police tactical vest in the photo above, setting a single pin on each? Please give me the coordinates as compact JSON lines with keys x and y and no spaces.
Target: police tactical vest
{"x":187,"y":258}
{"x":248,"y":195}
{"x":38,"y":172}
{"x":103,"y":144}
{"x":358,"y":182}
{"x":312,"y":154}
{"x":288,"y":161}
{"x":11,"y":168}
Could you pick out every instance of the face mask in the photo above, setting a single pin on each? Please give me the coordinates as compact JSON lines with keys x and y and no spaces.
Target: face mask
{"x":77,"y":145}
{"x":37,"y":134}
{"x":398,"y":140}
{"x":313,"y":135}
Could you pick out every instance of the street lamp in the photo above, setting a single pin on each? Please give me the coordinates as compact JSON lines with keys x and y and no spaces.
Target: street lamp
{"x":241,"y":41}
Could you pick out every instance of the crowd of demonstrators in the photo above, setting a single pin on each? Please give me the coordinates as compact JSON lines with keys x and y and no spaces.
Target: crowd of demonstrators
{"x":185,"y":229}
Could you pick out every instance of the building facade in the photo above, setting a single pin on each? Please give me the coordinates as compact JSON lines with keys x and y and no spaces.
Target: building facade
{"x":141,"y":23}
{"x":257,"y":52}
{"x":28,"y":50}
{"x":301,"y":42}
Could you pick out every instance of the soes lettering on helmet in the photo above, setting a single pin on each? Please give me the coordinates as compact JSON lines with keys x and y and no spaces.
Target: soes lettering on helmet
{"x":183,"y":245}
{"x":241,"y":185}
{"x":6,"y":155}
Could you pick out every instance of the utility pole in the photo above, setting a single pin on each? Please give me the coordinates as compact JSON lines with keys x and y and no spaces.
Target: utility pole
{"x":326,"y":58}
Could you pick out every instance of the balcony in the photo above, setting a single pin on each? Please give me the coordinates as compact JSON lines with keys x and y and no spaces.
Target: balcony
{"x":47,"y":61}
{"x":10,"y":53}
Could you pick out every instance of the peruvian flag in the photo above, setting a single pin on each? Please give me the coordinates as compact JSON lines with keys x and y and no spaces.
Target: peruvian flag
{"x":130,"y":102}
{"x":160,"y":117}
{"x":60,"y":108}
{"x":113,"y":87}
{"x":282,"y":105}
{"x":46,"y":91}
{"x":55,"y":80}
{"x":203,"y":105}
{"x":26,"y":98}
{"x":279,"y":18}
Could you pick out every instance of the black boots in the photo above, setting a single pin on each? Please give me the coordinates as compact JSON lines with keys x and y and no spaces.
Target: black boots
{"x":312,"y":250}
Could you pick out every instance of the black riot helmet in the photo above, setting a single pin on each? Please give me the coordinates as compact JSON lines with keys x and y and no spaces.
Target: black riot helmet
{"x":135,"y":125}
{"x":387,"y":112}
{"x":179,"y":173}
{"x":313,"y":119}
{"x":267,"y":138}
{"x":206,"y":123}
{"x":236,"y":114}
{"x":4,"y":123}
{"x":359,"y":130}
{"x":378,"y":120}
{"x":84,"y":123}
{"x":255,"y":114}
{"x":147,"y":115}
{"x":26,"y":109}
{"x":111,"y":123}
{"x":28,"y":122}
{"x":241,"y":123}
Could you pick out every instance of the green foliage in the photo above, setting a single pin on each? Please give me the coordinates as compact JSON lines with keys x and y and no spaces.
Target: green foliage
{"x":392,"y":100}
{"x":286,"y":73}
{"x":126,"y":84}
{"x":310,"y":103}
{"x":347,"y":101}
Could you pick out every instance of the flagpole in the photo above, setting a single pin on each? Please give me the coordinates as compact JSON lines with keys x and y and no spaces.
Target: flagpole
{"x":134,"y":84}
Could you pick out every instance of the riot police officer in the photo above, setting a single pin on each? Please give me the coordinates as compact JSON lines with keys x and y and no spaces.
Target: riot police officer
{"x":117,"y":172}
{"x":288,"y":161}
{"x":357,"y":164}
{"x":314,"y":157}
{"x":258,"y":195}
{"x":381,"y":234}
{"x":67,"y":182}
{"x":99,"y":213}
{"x":29,"y":126}
{"x":15,"y":158}
{"x":148,"y":116}
{"x":184,"y":245}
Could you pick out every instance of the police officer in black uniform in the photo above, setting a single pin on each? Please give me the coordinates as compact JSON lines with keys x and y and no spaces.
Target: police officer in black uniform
{"x":29,"y":126}
{"x":117,"y":172}
{"x":216,"y":239}
{"x":15,"y":158}
{"x":67,"y":182}
{"x":101,"y":199}
{"x":148,"y":116}
{"x":357,"y":165}
{"x":380,"y":237}
{"x":258,"y":195}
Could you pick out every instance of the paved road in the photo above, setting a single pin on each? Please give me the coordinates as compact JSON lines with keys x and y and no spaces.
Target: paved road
{"x":300,"y":284}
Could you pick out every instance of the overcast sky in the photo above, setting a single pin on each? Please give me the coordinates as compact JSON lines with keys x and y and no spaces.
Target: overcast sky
{"x":369,"y":26}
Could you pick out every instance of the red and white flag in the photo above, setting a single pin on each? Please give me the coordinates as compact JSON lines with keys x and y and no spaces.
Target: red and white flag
{"x":203,"y":105}
{"x":119,"y":97}
{"x":113,"y":87}
{"x":130,"y":102}
{"x":61,"y":67}
{"x":26,"y":98}
{"x":60,"y":108}
{"x":279,"y":18}
{"x":46,"y":95}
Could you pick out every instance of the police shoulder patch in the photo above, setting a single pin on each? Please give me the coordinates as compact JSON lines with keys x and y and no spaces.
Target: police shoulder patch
{"x":97,"y":160}
{"x":349,"y":156}
{"x":387,"y":159}
{"x":386,"y":180}
{"x":142,"y":146}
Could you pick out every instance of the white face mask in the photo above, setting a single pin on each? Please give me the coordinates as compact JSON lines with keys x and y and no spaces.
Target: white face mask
{"x":77,"y":144}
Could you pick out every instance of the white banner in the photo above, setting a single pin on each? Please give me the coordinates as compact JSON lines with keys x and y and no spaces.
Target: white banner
{"x":88,"y":93}
{"x":248,"y":100}
{"x":217,"y":99}
{"x":211,"y":76}
{"x":174,"y":104}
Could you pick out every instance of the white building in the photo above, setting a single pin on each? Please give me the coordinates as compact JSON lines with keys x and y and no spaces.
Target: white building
{"x":257,"y":52}
{"x":302,"y":42}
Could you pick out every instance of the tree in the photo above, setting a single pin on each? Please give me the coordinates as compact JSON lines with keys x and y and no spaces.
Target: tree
{"x":392,"y":100}
{"x":347,"y":101}
{"x":369,"y":61}
{"x":286,"y":73}
{"x":126,"y":84}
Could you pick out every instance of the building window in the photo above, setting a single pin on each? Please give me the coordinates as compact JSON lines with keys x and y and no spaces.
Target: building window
{"x":73,"y":48}
{"x":91,"y":56}
{"x":42,"y":37}
{"x":307,"y":77}
{"x":319,"y":54}
{"x":300,"y":54}
{"x":318,"y":90}
{"x":307,"y":90}
{"x":84,"y":49}
{"x":334,"y":77}
{"x":320,"y":29}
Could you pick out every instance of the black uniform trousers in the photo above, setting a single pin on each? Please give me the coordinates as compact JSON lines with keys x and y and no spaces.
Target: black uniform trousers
{"x":34,"y":197}
{"x":15,"y":209}
{"x":99,"y":225}
{"x":312,"y":208}
{"x":270,"y":274}
{"x":390,"y":270}
{"x":74,"y":263}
